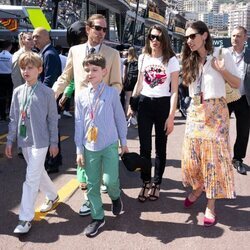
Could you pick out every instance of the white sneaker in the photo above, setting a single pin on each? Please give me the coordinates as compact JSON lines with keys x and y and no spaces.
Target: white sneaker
{"x":48,"y":204}
{"x":66,"y":113}
{"x":22,"y":227}
{"x":85,"y":209}
{"x":104,"y":189}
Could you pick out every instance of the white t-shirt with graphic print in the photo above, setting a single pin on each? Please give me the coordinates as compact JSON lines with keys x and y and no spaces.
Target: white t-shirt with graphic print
{"x":156,"y":75}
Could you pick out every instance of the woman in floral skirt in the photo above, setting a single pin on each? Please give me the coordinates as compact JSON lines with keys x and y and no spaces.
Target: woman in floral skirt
{"x":206,"y":158}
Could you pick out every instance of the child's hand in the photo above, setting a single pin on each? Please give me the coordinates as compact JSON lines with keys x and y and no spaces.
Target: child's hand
{"x":53,"y":151}
{"x":124,"y":149}
{"x":63,"y":100}
{"x":8,"y":151}
{"x":80,"y":160}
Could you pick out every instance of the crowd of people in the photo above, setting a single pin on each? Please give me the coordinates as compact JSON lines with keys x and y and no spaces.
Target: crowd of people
{"x":99,"y":76}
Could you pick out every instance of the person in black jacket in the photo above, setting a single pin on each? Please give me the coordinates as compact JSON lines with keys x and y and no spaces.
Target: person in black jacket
{"x":51,"y":71}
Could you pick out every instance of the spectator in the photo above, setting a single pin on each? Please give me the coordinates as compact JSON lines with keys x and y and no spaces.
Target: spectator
{"x":241,"y":107}
{"x":96,"y":27}
{"x":206,"y":159}
{"x":130,"y":75}
{"x":157,"y":85}
{"x":51,"y":70}
{"x":25,"y":44}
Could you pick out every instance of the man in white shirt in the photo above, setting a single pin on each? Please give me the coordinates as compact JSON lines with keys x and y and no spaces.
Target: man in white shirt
{"x":241,"y":107}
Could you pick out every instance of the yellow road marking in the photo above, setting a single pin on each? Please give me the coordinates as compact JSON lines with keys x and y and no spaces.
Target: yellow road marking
{"x":2,"y":136}
{"x":63,"y":193}
{"x":64,"y":137}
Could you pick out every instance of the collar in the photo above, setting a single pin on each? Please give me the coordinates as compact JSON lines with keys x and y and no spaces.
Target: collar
{"x":44,"y":48}
{"x":92,"y":90}
{"x":97,"y":47}
{"x":233,"y":52}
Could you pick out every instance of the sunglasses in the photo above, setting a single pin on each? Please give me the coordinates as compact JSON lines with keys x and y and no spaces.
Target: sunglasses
{"x":99,"y":28}
{"x":153,"y":37}
{"x":191,"y":36}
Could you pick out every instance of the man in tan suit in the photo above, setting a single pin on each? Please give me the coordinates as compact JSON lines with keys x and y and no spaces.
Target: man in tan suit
{"x":96,"y":29}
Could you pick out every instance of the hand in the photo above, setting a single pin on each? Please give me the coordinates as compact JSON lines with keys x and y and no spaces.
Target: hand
{"x":130,"y":112}
{"x":218,"y":64}
{"x":169,"y":125}
{"x":80,"y":160}
{"x":53,"y":151}
{"x":124,"y":149}
{"x":62,"y":101}
{"x":8,"y":151}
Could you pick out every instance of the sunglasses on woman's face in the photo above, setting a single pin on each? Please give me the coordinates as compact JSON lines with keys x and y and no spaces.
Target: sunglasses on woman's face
{"x":191,"y":36}
{"x":99,"y":28}
{"x":152,"y":37}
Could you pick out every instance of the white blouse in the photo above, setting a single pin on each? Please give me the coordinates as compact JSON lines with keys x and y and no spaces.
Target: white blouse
{"x":212,"y":82}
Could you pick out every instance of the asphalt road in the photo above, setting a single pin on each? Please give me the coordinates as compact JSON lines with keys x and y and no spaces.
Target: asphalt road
{"x":163,"y":224}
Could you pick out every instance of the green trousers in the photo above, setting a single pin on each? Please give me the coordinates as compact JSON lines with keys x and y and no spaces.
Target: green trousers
{"x":102,"y":165}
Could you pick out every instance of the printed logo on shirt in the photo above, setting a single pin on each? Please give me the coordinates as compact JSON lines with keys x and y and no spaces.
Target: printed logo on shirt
{"x":155,"y":75}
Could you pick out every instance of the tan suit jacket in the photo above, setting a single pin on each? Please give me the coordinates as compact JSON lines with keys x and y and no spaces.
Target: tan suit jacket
{"x":74,"y":69}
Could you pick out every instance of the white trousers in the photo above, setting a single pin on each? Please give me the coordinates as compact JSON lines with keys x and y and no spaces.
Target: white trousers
{"x":36,"y":178}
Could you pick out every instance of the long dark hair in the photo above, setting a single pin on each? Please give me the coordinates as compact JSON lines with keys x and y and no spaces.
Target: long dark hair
{"x":167,"y":51}
{"x":190,"y":59}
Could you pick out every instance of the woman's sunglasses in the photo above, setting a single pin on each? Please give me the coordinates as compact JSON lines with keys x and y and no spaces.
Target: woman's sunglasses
{"x":99,"y":28}
{"x":191,"y":36}
{"x":153,"y":37}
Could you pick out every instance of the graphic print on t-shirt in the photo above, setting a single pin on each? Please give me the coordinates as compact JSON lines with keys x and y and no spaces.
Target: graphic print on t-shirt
{"x":155,"y":75}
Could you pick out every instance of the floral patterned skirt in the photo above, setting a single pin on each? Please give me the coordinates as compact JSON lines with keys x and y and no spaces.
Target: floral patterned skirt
{"x":206,"y":157}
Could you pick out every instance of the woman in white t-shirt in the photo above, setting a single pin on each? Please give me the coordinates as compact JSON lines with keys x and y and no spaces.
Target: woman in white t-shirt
{"x":206,"y":159}
{"x":157,"y":85}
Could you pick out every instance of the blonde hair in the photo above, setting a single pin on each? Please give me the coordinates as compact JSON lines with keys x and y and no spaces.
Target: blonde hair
{"x":21,"y":37}
{"x":30,"y":58}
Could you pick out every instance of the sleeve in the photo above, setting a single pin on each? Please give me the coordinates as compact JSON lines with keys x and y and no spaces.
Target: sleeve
{"x":174,"y":64}
{"x":70,"y":89}
{"x":120,"y":119}
{"x":14,"y":118}
{"x":52,"y":68}
{"x":52,"y":119}
{"x":79,"y":126}
{"x":67,"y":75}
{"x":229,"y":63}
{"x":115,"y":72}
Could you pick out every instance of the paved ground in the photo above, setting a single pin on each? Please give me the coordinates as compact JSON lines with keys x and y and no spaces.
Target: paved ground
{"x":163,"y":224}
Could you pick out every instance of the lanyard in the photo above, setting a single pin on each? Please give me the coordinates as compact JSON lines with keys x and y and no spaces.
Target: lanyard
{"x":93,"y":105}
{"x":241,"y":58}
{"x":199,"y":80}
{"x":26,"y":100}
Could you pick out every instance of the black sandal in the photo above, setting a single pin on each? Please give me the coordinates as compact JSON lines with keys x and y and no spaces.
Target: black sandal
{"x":155,"y":192}
{"x":144,"y":192}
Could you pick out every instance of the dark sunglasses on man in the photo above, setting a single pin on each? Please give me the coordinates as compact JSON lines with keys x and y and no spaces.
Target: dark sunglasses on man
{"x":99,"y":28}
{"x":152,"y":37}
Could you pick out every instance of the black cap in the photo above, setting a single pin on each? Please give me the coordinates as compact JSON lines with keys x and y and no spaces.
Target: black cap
{"x":135,"y":162}
{"x":76,"y":33}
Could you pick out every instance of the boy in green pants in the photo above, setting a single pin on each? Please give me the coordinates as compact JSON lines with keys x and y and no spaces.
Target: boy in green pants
{"x":99,"y":123}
